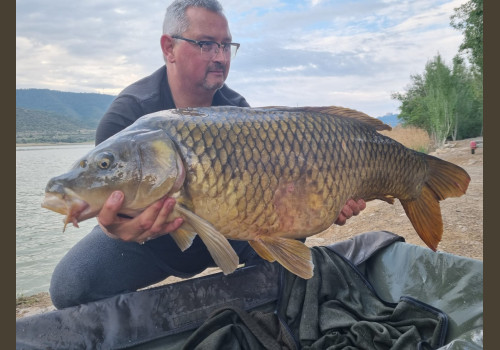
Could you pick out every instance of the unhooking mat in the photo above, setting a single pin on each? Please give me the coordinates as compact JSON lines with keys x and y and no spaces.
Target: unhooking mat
{"x":370,"y":292}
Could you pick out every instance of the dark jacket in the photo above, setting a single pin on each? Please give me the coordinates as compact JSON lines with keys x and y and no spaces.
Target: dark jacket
{"x":148,"y":95}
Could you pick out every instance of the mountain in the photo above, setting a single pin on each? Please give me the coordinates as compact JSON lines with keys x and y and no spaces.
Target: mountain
{"x":88,"y":108}
{"x":390,"y":119}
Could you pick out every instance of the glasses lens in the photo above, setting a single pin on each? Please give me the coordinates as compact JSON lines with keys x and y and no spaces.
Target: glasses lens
{"x":210,"y":49}
{"x":233,"y":49}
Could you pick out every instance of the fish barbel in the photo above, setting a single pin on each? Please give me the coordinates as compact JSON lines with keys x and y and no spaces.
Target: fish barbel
{"x":267,"y":175}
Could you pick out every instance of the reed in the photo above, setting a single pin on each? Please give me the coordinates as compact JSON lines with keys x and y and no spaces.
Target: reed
{"x":412,"y":137}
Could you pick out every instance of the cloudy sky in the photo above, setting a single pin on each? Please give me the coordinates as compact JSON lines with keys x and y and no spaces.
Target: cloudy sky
{"x":294,"y":53}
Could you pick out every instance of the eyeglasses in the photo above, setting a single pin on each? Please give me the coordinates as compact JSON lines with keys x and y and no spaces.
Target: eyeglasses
{"x":210,"y":49}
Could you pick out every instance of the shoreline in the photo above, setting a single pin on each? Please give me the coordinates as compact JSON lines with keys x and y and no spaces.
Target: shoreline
{"x":53,"y":144}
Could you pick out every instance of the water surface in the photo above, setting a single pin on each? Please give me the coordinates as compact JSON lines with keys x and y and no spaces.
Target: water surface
{"x":40,"y":242}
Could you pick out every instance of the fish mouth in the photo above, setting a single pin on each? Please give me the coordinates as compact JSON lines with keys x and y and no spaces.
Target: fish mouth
{"x":69,"y":204}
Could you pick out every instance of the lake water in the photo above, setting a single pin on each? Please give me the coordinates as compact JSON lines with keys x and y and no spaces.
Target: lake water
{"x":40,"y":242}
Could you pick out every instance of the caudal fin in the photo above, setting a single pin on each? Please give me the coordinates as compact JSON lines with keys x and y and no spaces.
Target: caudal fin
{"x":445,"y":180}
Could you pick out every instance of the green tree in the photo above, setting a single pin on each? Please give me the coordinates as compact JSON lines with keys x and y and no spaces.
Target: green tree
{"x":448,"y":102}
{"x":443,"y":101}
{"x":468,"y":104}
{"x":468,"y":18}
{"x":413,"y":110}
{"x":440,"y":98}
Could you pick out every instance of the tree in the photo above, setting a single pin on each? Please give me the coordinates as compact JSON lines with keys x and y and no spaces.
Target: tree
{"x":468,"y":104}
{"x":440,"y":98}
{"x":468,"y":18}
{"x":429,"y":102}
{"x":443,"y":101}
{"x":413,"y":110}
{"x":448,"y":103}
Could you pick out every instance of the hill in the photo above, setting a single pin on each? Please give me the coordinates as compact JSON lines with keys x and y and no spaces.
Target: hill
{"x":33,"y":126}
{"x":29,"y":120}
{"x":44,"y":115}
{"x":88,"y":108}
{"x":390,"y":119}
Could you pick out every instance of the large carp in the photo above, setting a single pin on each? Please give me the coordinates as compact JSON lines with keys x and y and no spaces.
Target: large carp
{"x":264,"y":175}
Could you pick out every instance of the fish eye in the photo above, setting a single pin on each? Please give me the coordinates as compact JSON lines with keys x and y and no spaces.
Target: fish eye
{"x":104,"y":162}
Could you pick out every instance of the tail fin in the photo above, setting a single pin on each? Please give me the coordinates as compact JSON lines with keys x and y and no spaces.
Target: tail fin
{"x":445,"y":180}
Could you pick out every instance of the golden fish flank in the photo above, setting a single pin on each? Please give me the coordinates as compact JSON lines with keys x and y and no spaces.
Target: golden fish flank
{"x":269,"y":175}
{"x":277,"y":158}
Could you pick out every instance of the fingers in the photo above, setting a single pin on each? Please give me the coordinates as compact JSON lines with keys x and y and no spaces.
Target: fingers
{"x":108,"y":214}
{"x":350,"y":209}
{"x":149,"y":235}
{"x":161,"y":219}
{"x":361,"y":205}
{"x":110,"y":209}
{"x":153,"y":222}
{"x":157,"y":221}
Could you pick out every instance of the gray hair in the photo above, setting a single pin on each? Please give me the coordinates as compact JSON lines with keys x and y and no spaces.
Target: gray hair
{"x":176,"y":22}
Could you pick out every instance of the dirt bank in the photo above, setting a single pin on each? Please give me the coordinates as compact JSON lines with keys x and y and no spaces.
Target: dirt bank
{"x":462,"y":218}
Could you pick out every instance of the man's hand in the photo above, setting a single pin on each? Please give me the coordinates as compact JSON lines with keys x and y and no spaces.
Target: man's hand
{"x":150,"y":224}
{"x":351,"y":208}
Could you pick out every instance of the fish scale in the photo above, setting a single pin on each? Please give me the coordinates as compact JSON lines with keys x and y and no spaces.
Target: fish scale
{"x":265,"y":175}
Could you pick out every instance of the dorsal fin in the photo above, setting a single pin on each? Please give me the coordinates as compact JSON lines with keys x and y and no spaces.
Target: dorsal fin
{"x":338,"y":112}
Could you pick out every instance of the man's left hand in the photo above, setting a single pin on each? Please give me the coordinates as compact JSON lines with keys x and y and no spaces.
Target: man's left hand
{"x":350,"y":209}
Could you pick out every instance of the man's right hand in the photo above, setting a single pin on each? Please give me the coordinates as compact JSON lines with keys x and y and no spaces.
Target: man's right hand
{"x":151,"y":223}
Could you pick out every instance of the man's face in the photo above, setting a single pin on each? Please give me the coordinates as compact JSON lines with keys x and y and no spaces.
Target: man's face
{"x":193,"y":68}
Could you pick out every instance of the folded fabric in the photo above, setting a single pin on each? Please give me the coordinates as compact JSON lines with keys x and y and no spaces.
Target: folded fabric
{"x":336,"y":309}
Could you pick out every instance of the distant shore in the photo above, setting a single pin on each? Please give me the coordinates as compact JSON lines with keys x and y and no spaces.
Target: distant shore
{"x":53,"y":144}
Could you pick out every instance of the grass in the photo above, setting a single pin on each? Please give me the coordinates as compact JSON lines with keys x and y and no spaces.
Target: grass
{"x":412,"y":137}
{"x":32,"y":300}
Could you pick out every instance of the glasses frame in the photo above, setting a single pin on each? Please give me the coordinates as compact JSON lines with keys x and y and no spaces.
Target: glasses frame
{"x":200,"y":43}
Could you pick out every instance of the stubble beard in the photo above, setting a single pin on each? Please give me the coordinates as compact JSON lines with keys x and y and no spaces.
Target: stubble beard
{"x":214,"y":86}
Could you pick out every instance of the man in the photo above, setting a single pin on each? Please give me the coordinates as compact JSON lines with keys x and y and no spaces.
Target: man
{"x":125,"y":254}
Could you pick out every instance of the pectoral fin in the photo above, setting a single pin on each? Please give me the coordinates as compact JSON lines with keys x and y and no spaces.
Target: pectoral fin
{"x":221,"y":251}
{"x":294,"y":255}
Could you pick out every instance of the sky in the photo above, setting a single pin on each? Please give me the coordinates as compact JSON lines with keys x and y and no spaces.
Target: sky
{"x":354,"y":54}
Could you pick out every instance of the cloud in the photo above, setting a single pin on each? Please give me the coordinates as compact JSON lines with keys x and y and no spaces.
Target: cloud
{"x":87,"y":46}
{"x":48,"y":63}
{"x":358,"y":62}
{"x":352,"y":53}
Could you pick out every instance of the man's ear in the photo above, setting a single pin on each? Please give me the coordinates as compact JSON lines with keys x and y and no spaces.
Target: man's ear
{"x":167,"y":47}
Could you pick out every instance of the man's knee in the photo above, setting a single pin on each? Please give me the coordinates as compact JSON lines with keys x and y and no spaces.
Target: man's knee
{"x":67,"y":287}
